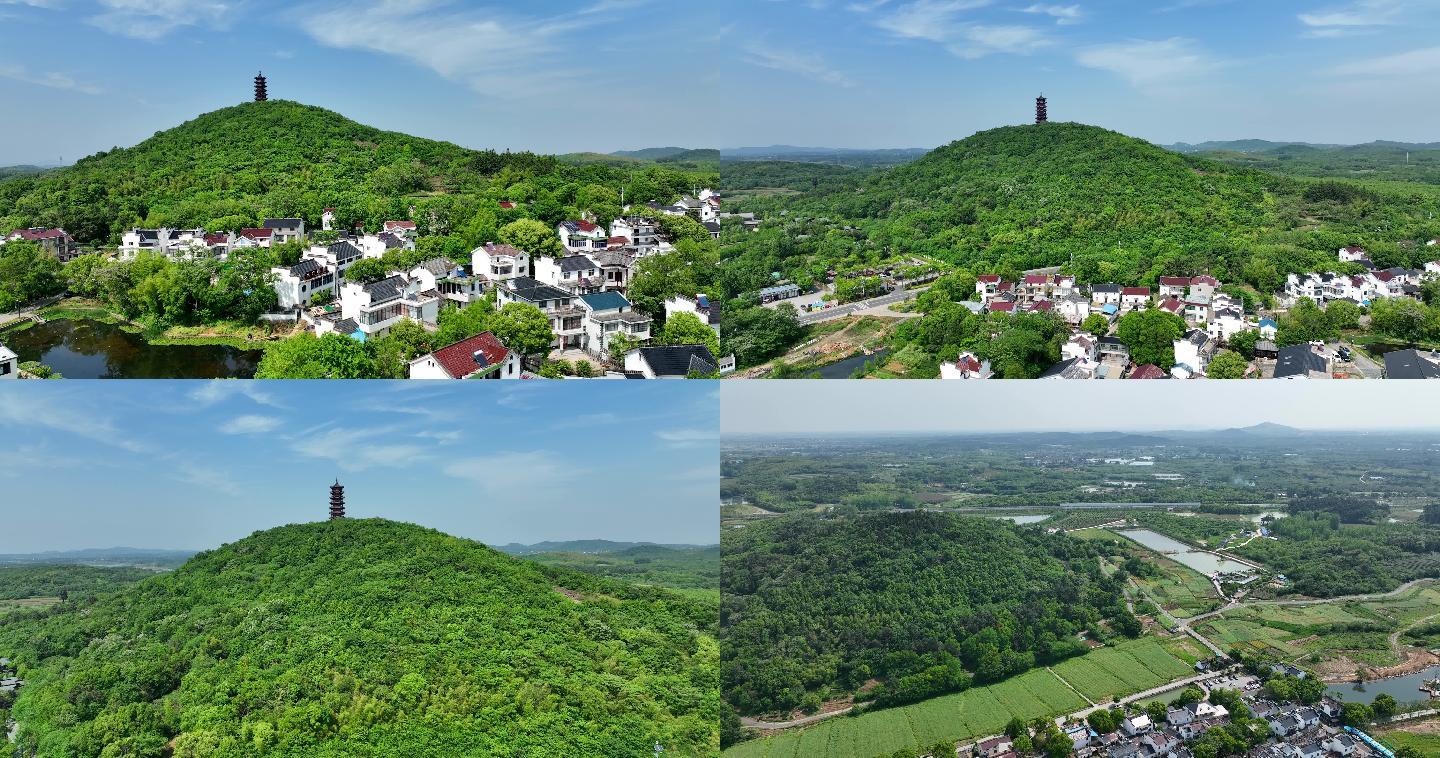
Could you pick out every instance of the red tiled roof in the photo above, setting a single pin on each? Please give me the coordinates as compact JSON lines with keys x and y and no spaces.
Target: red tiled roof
{"x":1042,"y":305}
{"x":1006,"y":285}
{"x":1204,"y":279}
{"x":458,"y":359}
{"x":256,"y":234}
{"x":506,"y":204}
{"x":329,"y":210}
{"x":1175,"y":281}
{"x":1171,"y":304}
{"x":1148,"y":371}
{"x":584,"y":226}
{"x":1354,"y":249}
{"x":1059,"y":278}
{"x":988,"y":278}
{"x":1136,"y":291}
{"x":37,"y":234}
{"x":1002,"y":305}
{"x":1036,"y":279}
{"x":1384,"y":276}
{"x":967,"y":363}
{"x":217,"y":238}
{"x":618,"y":242}
{"x":399,"y":225}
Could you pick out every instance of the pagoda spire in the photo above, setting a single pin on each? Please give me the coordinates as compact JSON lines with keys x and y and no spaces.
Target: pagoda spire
{"x":337,"y":500}
{"x":260,"y":94}
{"x":1041,"y":116}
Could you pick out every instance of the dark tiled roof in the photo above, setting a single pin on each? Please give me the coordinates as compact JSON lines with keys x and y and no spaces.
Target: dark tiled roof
{"x":344,"y":251}
{"x":389,"y":288}
{"x":305,"y":267}
{"x":679,"y":360}
{"x":575,"y":263}
{"x":283,"y":223}
{"x":1410,"y":364}
{"x":1297,"y":360}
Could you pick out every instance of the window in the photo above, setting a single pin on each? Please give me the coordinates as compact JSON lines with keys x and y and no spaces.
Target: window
{"x":5,"y":368}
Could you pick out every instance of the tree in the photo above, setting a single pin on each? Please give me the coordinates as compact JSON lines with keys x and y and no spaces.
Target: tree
{"x":367,"y":270}
{"x":687,"y":270}
{"x":1384,"y":706}
{"x":1401,"y":318}
{"x":1227,"y":365}
{"x":1355,"y":714}
{"x":1305,"y":322}
{"x":305,"y":356}
{"x":523,"y":328}
{"x":1150,"y":334}
{"x":1244,"y":343}
{"x":27,"y":272}
{"x":688,"y":329}
{"x":1343,"y":314}
{"x":403,"y":342}
{"x":531,"y":236}
{"x":1431,"y":514}
{"x":1096,"y":324}
{"x":755,"y":335}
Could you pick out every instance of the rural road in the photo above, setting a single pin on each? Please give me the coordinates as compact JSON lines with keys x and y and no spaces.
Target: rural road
{"x":8,"y":318}
{"x":841,"y":311}
{"x":748,"y":722}
{"x":1311,"y":601}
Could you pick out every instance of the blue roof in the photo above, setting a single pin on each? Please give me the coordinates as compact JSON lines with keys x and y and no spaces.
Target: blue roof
{"x":358,"y":335}
{"x":1268,"y":322}
{"x":605,"y":301}
{"x":1109,"y":309}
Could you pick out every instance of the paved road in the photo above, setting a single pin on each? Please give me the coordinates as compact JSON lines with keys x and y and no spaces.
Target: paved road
{"x":1367,"y":368}
{"x":840,"y":311}
{"x":9,"y":318}
{"x":746,"y":721}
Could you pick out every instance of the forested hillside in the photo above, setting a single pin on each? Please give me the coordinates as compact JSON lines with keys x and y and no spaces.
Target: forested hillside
{"x":1105,"y":206}
{"x":19,"y":582}
{"x":898,"y":607}
{"x":232,"y":167}
{"x":367,"y":637}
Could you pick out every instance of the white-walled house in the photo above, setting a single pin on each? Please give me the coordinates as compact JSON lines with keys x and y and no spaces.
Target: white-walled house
{"x":1193,"y":353}
{"x":285,"y":229}
{"x":642,"y":232}
{"x":607,"y":316}
{"x":1174,"y":286}
{"x":9,"y":363}
{"x":1353,"y":254}
{"x":376,"y":306}
{"x":449,"y":279}
{"x":297,"y":285}
{"x":1226,"y":323}
{"x":582,"y":236}
{"x":576,"y":273}
{"x":670,"y":361}
{"x":1080,"y":345}
{"x":966,"y":366}
{"x":480,"y":357}
{"x":1134,"y":297}
{"x":700,"y":307}
{"x":567,"y":320}
{"x":176,"y":243}
{"x":500,"y":263}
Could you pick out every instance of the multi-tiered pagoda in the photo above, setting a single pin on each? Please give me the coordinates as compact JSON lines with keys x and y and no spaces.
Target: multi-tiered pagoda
{"x":1041,"y":116}
{"x":337,"y":500}
{"x":260,"y":94}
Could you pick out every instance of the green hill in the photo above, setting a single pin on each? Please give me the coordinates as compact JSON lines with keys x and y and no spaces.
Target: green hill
{"x":367,"y":638}
{"x":898,"y":607}
{"x":234,"y":166}
{"x":1105,"y":206}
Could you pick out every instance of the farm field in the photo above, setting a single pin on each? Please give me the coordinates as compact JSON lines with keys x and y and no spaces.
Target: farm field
{"x":7,"y":606}
{"x":1102,"y":674}
{"x":1182,"y":591}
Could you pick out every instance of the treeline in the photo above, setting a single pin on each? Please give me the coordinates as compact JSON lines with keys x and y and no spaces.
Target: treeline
{"x":899,"y":607}
{"x":367,"y":637}
{"x":18,"y":582}
{"x":235,"y":166}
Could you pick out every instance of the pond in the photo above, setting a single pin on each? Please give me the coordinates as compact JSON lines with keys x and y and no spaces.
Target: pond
{"x":1405,"y":689}
{"x":843,"y":369}
{"x":84,"y":349}
{"x":1028,"y":519}
{"x":1205,"y":563}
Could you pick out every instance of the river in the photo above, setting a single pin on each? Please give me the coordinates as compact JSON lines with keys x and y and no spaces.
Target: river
{"x":84,"y":349}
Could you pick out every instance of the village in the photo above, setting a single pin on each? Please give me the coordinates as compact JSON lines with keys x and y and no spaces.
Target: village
{"x":1216,"y":321}
{"x":580,"y":290}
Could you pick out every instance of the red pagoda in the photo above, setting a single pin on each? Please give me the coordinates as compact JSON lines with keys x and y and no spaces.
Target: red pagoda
{"x":1040,"y":114}
{"x":260,"y":94}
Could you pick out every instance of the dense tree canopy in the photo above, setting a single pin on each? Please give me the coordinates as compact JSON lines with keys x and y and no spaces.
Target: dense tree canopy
{"x":367,"y":637}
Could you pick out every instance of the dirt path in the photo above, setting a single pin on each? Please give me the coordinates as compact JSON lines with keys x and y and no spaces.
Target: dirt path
{"x":750,"y":723}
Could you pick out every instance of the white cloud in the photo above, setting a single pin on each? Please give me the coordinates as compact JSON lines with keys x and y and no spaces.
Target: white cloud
{"x":491,"y":53}
{"x":203,"y":477}
{"x":251,"y":425}
{"x":1149,"y":65}
{"x":63,"y":412}
{"x":356,"y":449}
{"x":33,"y":3}
{"x":153,"y":19}
{"x":944,"y":22}
{"x":1421,"y":62}
{"x":808,"y":65}
{"x":516,"y":472}
{"x":219,"y":390}
{"x":1357,"y":17}
{"x":688,"y":437}
{"x":52,"y":79}
{"x":1064,"y":15}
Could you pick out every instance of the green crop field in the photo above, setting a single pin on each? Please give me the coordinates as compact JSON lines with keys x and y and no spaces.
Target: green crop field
{"x":1182,"y":591}
{"x":1124,"y":668}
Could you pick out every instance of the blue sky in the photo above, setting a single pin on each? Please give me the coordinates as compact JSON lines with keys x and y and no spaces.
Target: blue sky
{"x":920,"y":73}
{"x":192,"y":465}
{"x":79,"y":76}
{"x":814,"y":406}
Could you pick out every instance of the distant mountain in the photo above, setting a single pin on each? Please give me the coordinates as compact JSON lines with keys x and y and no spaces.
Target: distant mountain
{"x":652,"y":153}
{"x":583,"y":546}
{"x":8,"y":171}
{"x":368,"y":637}
{"x":838,"y":155}
{"x":109,"y":556}
{"x":1267,"y":428}
{"x":1260,"y":146}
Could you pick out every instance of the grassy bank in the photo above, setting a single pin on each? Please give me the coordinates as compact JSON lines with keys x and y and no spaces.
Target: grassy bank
{"x":228,"y":333}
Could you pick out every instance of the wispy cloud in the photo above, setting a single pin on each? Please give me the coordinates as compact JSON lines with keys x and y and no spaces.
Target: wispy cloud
{"x":513,"y":472}
{"x":946,"y":22}
{"x":1421,"y":62}
{"x":219,"y":390}
{"x":64,"y":412}
{"x":33,"y":3}
{"x":688,"y":437}
{"x":153,"y":19}
{"x":491,"y":52}
{"x":251,"y":425}
{"x":1064,"y":15}
{"x":51,"y":79}
{"x":808,"y":65}
{"x":1359,"y":17}
{"x":360,"y":448}
{"x":1151,"y":64}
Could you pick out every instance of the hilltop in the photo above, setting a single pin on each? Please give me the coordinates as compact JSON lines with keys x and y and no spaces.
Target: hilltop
{"x":234,"y":166}
{"x":367,"y":637}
